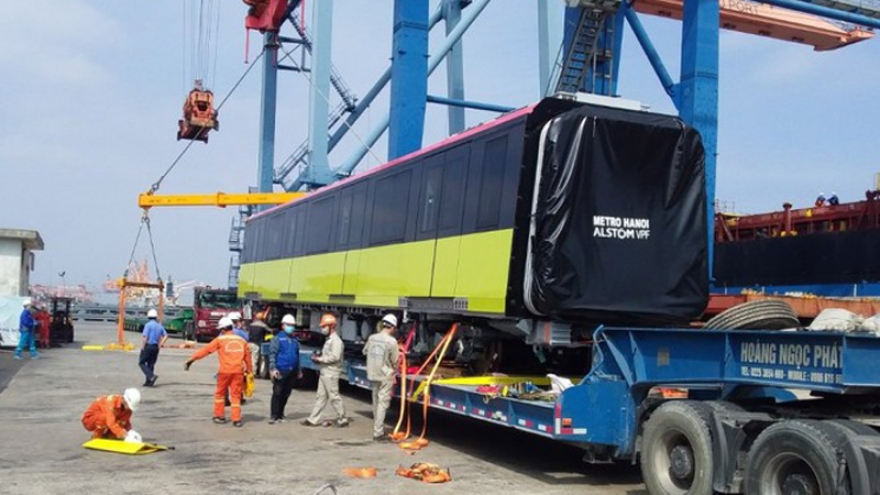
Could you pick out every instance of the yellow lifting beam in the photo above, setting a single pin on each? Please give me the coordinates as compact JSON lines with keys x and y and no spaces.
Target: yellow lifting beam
{"x":222,"y":200}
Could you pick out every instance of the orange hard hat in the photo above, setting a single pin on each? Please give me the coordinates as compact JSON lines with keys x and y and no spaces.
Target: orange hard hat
{"x":328,"y":320}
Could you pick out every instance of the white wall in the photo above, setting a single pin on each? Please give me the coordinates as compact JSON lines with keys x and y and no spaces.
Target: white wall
{"x":11,"y":264}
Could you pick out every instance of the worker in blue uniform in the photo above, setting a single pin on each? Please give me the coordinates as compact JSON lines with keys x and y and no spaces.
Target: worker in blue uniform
{"x":154,"y":338}
{"x":833,"y":200}
{"x":26,"y":327}
{"x":284,"y":366}
{"x":237,"y":327}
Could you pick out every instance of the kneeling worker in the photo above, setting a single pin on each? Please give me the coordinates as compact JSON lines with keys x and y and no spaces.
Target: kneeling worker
{"x":233,"y":353}
{"x":382,"y":355}
{"x":110,"y":416}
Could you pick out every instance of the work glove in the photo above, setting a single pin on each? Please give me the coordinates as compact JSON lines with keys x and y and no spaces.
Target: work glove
{"x":133,"y":436}
{"x":276,"y":375}
{"x":187,"y":365}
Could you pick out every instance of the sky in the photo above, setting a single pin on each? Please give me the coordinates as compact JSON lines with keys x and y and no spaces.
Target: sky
{"x":92,"y":90}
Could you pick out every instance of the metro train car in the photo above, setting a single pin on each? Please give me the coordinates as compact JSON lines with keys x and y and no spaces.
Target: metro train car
{"x":541,"y":224}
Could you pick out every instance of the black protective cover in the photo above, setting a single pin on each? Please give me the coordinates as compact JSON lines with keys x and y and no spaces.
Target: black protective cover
{"x":621,"y":229}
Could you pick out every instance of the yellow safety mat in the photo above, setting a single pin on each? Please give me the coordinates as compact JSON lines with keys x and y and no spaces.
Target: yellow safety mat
{"x":123,"y":447}
{"x":128,"y":346}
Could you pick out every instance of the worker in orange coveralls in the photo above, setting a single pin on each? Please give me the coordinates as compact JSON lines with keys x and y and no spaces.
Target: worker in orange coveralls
{"x":232,"y":351}
{"x":110,"y":416}
{"x":45,"y":320}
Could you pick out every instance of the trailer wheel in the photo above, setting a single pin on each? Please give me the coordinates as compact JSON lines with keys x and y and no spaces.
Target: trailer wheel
{"x":797,"y":458}
{"x":676,"y":454}
{"x":757,"y":315}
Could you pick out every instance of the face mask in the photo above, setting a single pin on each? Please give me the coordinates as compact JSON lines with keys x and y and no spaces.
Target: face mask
{"x":288,"y":329}
{"x":325,"y":330}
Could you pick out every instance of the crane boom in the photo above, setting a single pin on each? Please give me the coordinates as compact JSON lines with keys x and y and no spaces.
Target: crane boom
{"x":766,"y":20}
{"x":220,"y":199}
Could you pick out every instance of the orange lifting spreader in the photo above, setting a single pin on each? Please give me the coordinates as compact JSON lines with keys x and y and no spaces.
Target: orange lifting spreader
{"x":222,"y":200}
{"x":199,"y":115}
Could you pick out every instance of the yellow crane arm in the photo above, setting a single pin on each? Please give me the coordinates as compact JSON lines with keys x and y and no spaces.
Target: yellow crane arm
{"x":147,"y":200}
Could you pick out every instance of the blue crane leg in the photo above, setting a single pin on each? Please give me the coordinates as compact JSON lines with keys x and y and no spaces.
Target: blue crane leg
{"x":699,"y":89}
{"x":409,"y":77}
{"x":265,"y":166}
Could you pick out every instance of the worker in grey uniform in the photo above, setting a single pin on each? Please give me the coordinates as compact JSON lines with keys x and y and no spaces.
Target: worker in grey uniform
{"x":382,"y":356}
{"x":329,"y":361}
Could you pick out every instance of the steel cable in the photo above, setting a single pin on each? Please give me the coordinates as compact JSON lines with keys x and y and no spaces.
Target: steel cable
{"x":134,"y":248}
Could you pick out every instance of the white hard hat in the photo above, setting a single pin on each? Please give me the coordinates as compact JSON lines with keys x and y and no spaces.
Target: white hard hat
{"x":235,"y":316}
{"x":152,"y":313}
{"x":390,"y":319}
{"x":224,"y":323}
{"x":132,"y":398}
{"x":26,"y":302}
{"x":288,"y":320}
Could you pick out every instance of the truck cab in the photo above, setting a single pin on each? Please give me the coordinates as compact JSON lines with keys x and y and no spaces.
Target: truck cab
{"x":209,"y":305}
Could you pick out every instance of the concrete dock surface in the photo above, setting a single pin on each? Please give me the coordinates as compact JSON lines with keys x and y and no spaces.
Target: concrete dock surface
{"x":41,"y":452}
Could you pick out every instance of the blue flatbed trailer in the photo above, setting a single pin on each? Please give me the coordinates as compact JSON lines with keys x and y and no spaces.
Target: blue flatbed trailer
{"x":741,"y":429}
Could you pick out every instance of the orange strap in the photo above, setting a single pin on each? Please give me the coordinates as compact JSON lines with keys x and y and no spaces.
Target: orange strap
{"x":426,"y":400}
{"x":405,"y":410}
{"x":403,"y":406}
{"x":436,"y":349}
{"x":442,"y":347}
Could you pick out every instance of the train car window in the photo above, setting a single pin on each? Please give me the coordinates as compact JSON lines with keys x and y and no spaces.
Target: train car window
{"x":247,"y":254}
{"x":358,"y":214}
{"x":261,"y":239}
{"x":320,"y":221}
{"x":452,"y":191}
{"x":489,"y":208}
{"x":390,"y":207}
{"x":290,"y":218}
{"x":345,"y":217}
{"x":299,"y":240}
{"x":276,"y":235}
{"x":429,"y":209}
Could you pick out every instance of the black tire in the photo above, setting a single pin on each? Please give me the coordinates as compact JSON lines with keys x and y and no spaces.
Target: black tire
{"x":188,"y":331}
{"x":856,"y":427}
{"x":676,"y":450}
{"x":758,"y":315}
{"x":799,"y":456}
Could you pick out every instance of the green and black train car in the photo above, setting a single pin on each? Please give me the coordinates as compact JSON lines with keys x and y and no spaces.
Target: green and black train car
{"x":549,"y":219}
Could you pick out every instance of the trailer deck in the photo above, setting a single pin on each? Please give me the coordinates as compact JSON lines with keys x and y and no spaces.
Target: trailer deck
{"x":628,"y":362}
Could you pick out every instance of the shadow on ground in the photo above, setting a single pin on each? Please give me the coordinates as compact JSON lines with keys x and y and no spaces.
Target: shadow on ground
{"x":541,"y":459}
